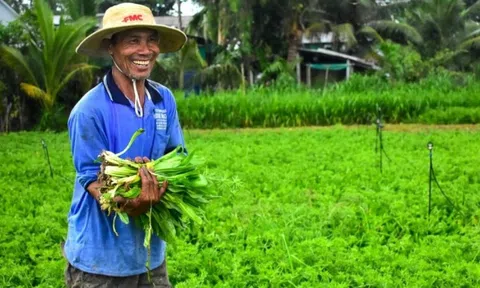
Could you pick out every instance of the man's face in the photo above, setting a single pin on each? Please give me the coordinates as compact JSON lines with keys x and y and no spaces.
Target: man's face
{"x":135,"y":51}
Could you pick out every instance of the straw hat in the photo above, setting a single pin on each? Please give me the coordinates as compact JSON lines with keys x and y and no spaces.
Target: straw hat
{"x":128,"y":16}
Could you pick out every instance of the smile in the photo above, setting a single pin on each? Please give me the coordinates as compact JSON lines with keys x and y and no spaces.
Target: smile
{"x":141,"y":63}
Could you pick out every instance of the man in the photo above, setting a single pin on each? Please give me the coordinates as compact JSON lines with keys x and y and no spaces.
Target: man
{"x":105,"y":119}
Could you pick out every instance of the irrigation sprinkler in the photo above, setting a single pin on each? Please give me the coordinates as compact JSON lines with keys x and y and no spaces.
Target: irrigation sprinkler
{"x":432,"y":178}
{"x":430,"y":149}
{"x":379,"y":139}
{"x":45,"y":149}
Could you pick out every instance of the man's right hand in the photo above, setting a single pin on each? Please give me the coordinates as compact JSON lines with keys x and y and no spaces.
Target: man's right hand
{"x":150,"y":195}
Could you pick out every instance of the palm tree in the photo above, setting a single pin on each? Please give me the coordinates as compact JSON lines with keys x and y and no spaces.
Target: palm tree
{"x":223,"y":73}
{"x":51,"y":61}
{"x":448,"y":28}
{"x":351,"y":22}
{"x":188,"y":58}
{"x":366,"y":23}
{"x":447,"y":24}
{"x":77,"y":9}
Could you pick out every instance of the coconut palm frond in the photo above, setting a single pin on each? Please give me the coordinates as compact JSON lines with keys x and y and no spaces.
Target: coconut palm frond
{"x":82,"y":67}
{"x":15,"y":60}
{"x":369,"y":32}
{"x":37,"y":93}
{"x":226,"y":76}
{"x":346,"y":32}
{"x":197,"y":24}
{"x":369,"y":4}
{"x":472,"y":10}
{"x":76,"y":9}
{"x":45,"y":26}
{"x":279,"y":66}
{"x":190,"y":56}
{"x":472,"y":29}
{"x":391,"y":29}
{"x":446,"y":56}
{"x":48,"y":65}
{"x":67,"y":38}
{"x":473,"y":43}
{"x":169,"y":64}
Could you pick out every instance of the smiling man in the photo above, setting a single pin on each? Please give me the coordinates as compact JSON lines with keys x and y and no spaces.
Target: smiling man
{"x":105,"y":119}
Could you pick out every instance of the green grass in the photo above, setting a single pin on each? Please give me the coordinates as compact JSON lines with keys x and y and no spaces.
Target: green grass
{"x":312,"y":210}
{"x":353,"y":102}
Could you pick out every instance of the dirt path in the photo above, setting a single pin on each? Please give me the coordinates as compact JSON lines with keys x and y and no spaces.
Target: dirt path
{"x":388,"y":127}
{"x":422,"y":127}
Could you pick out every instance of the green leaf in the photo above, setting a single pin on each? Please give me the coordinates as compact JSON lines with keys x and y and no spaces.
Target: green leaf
{"x":124,"y":217}
{"x":132,"y":139}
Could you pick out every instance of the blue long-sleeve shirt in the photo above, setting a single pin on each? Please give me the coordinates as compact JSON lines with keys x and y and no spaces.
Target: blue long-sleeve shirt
{"x":104,"y":119}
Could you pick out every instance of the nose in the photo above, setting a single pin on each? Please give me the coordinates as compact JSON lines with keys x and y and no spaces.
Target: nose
{"x":144,"y":49}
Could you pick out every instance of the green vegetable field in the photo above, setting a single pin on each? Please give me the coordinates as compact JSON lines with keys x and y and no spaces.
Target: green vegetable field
{"x":309,"y":208}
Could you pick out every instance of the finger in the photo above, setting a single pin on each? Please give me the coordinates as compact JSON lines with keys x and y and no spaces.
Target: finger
{"x":138,"y":159}
{"x":146,"y":181}
{"x":163,"y":189}
{"x":120,"y":200}
{"x":145,"y":159}
{"x":155,"y":188}
{"x":147,"y":173}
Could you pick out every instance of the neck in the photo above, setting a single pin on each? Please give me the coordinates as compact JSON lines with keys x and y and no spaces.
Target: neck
{"x":126,"y":86}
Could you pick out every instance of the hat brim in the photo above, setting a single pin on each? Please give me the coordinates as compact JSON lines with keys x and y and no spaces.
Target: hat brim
{"x":171,"y":39}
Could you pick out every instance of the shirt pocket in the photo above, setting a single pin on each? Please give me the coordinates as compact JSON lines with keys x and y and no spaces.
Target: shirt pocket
{"x":160,"y":144}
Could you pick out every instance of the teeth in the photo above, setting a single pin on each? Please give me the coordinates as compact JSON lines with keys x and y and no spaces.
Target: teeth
{"x":144,"y":63}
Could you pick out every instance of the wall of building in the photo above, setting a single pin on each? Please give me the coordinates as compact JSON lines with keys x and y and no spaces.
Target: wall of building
{"x":7,"y":14}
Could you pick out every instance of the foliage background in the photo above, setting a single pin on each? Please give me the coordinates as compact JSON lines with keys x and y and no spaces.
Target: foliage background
{"x":413,"y":42}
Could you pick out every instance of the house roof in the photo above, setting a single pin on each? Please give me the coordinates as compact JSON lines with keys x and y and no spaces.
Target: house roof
{"x":390,"y":2}
{"x":7,"y":13}
{"x":171,"y":21}
{"x":341,"y":56}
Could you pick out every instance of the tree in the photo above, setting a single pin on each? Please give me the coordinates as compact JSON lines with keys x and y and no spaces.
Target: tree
{"x":448,"y":29}
{"x":158,"y":7}
{"x":77,"y":9}
{"x":445,"y":24}
{"x":18,"y":5}
{"x":12,"y":103}
{"x":51,"y":61}
{"x":227,"y":25}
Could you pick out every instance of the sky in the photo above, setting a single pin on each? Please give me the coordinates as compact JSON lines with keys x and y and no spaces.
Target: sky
{"x":188,"y":8}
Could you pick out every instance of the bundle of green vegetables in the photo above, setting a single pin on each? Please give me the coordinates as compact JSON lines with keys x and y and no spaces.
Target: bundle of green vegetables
{"x":187,"y":193}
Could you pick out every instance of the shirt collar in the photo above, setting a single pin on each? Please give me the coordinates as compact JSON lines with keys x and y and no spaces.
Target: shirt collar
{"x":117,"y":96}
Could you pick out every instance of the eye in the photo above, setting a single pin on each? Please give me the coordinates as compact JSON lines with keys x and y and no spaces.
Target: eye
{"x":133,"y":41}
{"x":153,"y":39}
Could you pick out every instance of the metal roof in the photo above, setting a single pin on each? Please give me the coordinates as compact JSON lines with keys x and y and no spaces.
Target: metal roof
{"x":358,"y":61}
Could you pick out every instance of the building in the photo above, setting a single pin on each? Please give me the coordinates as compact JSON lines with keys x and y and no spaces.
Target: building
{"x":320,"y":66}
{"x":171,"y":21}
{"x":7,"y":14}
{"x":390,"y":2}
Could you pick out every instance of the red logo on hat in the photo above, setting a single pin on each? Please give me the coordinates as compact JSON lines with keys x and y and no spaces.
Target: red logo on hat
{"x":136,"y":17}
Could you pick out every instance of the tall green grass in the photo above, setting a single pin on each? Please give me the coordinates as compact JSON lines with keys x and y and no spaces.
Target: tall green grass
{"x":352,"y":102}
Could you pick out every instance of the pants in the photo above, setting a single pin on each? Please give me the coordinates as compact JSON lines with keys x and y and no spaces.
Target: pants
{"x":75,"y":278}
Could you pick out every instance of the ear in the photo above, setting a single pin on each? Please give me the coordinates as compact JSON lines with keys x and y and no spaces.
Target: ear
{"x":107,"y":45}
